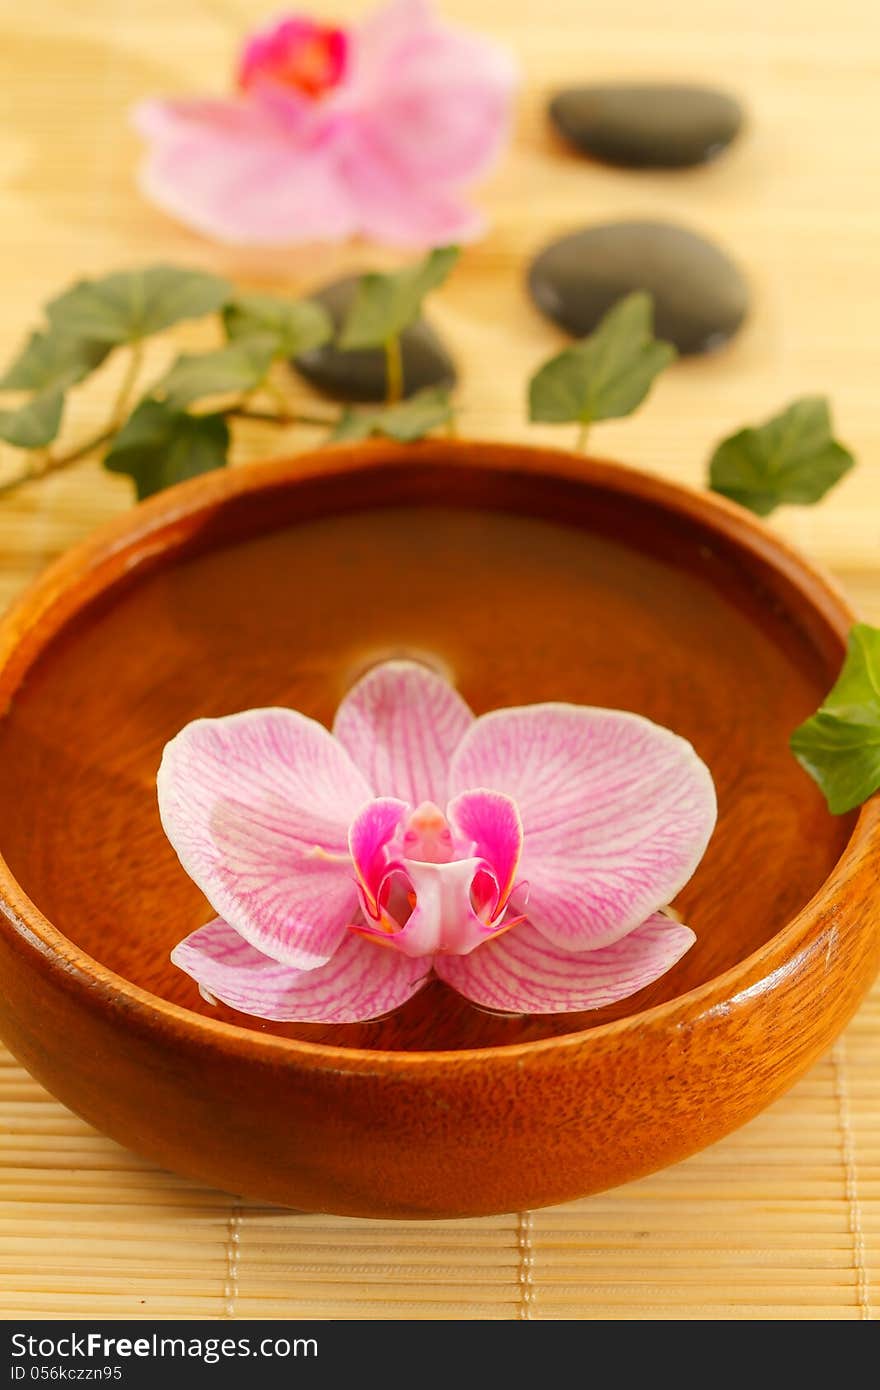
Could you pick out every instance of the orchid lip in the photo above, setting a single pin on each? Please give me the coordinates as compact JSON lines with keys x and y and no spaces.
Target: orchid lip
{"x":429,"y":882}
{"x":385,"y":921}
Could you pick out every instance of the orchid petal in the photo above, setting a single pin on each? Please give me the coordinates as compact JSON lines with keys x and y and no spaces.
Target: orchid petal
{"x":371,"y":831}
{"x":490,"y":823}
{"x":436,"y":99}
{"x":257,"y":806}
{"x":520,"y":971}
{"x":397,"y":208}
{"x":232,"y":171}
{"x":401,"y":723}
{"x":616,"y":813}
{"x":359,"y":983}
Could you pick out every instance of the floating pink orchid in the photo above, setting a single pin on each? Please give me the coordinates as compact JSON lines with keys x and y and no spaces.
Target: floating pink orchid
{"x":348,"y":866}
{"x":376,"y":130}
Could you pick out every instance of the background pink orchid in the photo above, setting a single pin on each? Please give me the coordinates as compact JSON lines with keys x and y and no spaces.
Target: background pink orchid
{"x":376,"y":130}
{"x":522,"y":856}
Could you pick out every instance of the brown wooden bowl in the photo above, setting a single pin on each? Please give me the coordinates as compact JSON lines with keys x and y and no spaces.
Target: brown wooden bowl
{"x":529,"y":575}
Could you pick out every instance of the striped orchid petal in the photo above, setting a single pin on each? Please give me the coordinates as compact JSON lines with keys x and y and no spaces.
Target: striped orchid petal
{"x":257,"y":806}
{"x":520,"y":971}
{"x":401,"y":724}
{"x":360,"y":982}
{"x":616,"y":813}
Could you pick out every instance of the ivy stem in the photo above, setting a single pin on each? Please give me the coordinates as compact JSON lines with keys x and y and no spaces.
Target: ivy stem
{"x":44,"y":463}
{"x":583,"y":435}
{"x":126,"y":387}
{"x":270,"y":417}
{"x":53,"y":463}
{"x":393,"y":371}
{"x":278,"y":397}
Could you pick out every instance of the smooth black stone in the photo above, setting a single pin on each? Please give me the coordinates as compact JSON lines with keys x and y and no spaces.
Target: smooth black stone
{"x":360,"y":375}
{"x":647,"y":125}
{"x":700,"y":298}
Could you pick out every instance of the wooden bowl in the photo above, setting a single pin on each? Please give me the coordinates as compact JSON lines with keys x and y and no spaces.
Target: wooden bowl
{"x":528,"y":575}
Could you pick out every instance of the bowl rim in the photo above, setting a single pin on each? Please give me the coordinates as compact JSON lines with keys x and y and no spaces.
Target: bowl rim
{"x":134,"y":532}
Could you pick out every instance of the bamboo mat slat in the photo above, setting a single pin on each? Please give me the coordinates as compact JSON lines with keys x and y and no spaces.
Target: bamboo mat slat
{"x":780,"y":1220}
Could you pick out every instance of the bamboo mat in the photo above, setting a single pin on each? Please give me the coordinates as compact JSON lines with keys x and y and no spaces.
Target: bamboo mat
{"x":781,"y":1220}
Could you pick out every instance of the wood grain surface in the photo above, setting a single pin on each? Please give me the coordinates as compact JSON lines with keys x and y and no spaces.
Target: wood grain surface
{"x":782,"y":1219}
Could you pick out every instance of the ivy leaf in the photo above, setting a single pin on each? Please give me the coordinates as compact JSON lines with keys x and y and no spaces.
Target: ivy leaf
{"x":240,"y":366}
{"x":295,"y":325}
{"x":384,"y":305}
{"x":606,"y":375}
{"x":792,"y":458}
{"x":160,"y":445}
{"x":52,"y":360}
{"x":132,"y":304}
{"x":839,"y":746}
{"x":34,"y":424}
{"x":409,"y":420}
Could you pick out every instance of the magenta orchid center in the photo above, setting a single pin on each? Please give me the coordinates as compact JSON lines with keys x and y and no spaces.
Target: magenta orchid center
{"x":524,"y":858}
{"x":298,"y":55}
{"x":430,"y":883}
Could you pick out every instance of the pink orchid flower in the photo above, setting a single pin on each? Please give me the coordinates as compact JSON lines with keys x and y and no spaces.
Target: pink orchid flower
{"x":348,"y":866}
{"x":376,"y":130}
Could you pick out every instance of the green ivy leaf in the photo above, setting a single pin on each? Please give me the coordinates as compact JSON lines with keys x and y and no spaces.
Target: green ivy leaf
{"x":384,"y":305}
{"x":240,"y":366}
{"x":839,"y":746}
{"x":606,"y":375}
{"x":792,"y":458}
{"x":160,"y":445}
{"x":52,"y":360}
{"x":409,"y":420}
{"x":34,"y":424}
{"x":295,"y":325}
{"x":132,"y":304}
